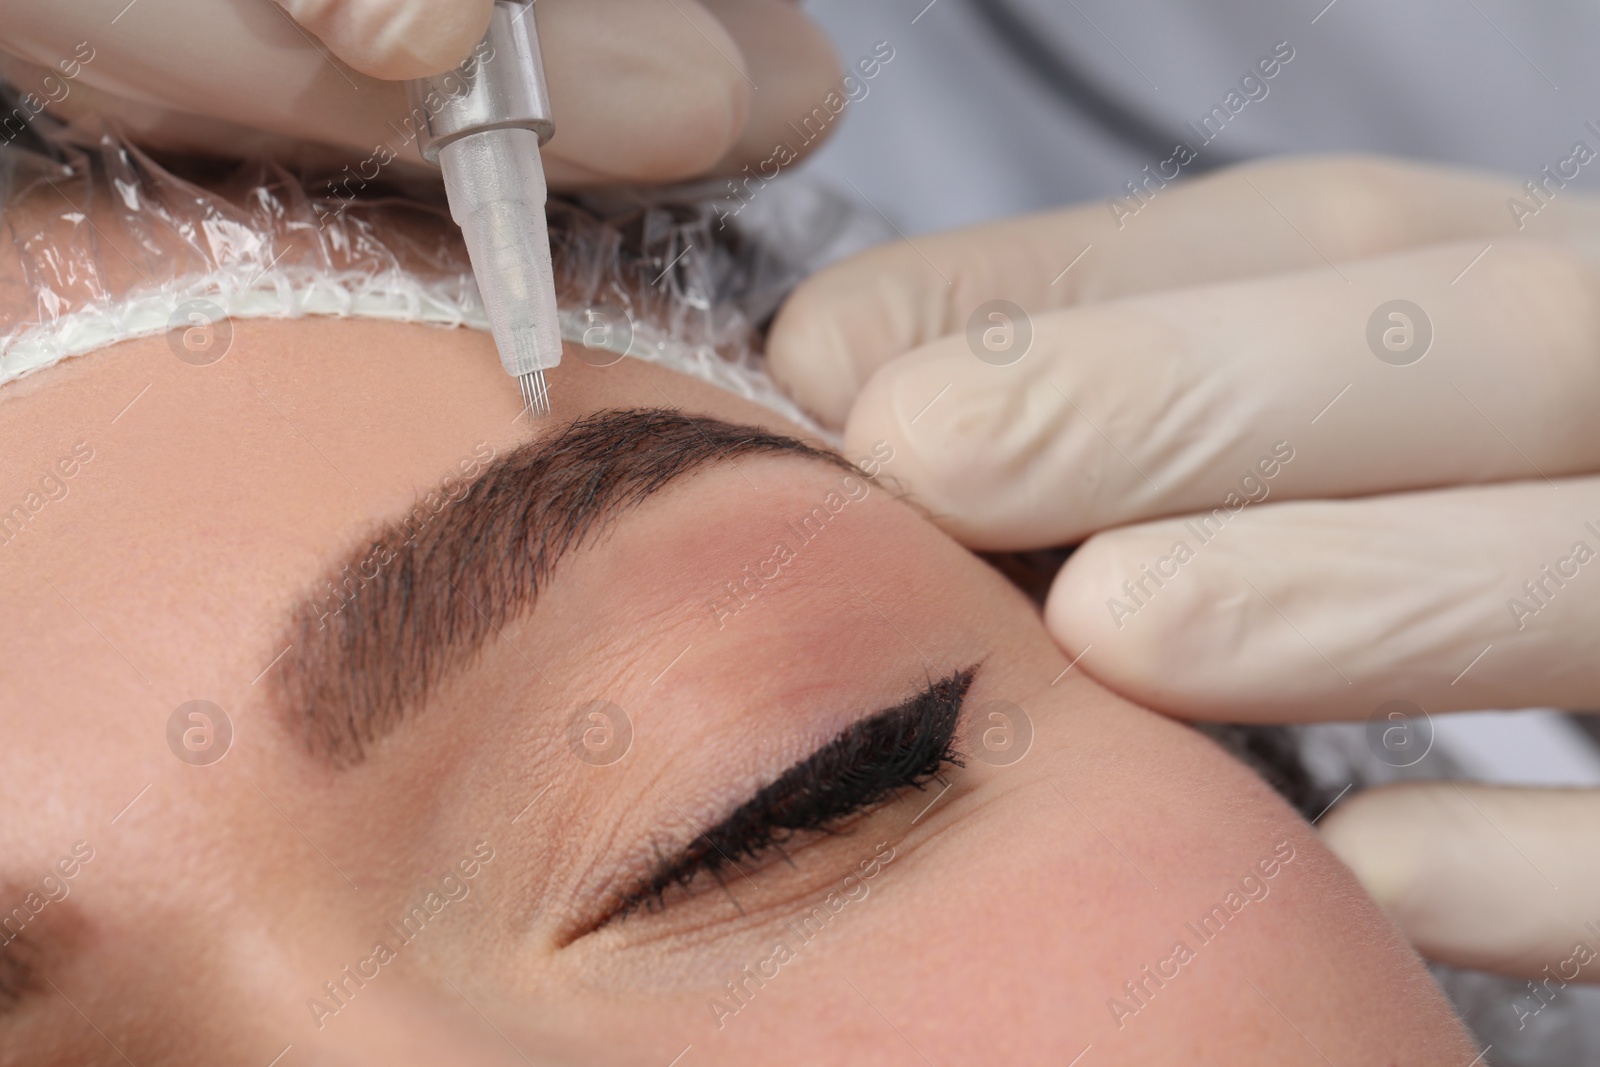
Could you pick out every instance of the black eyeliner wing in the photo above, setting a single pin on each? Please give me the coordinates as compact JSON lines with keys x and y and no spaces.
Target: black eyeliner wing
{"x":868,"y":762}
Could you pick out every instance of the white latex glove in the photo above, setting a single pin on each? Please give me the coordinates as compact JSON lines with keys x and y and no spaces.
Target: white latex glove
{"x":1225,"y":339}
{"x":643,"y":90}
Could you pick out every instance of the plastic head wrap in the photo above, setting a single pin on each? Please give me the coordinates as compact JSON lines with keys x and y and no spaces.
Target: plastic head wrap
{"x":101,"y":243}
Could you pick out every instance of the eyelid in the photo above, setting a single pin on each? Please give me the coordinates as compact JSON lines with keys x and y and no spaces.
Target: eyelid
{"x":868,"y":763}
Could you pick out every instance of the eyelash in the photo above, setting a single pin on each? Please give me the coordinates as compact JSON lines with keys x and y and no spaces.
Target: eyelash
{"x":867,"y":764}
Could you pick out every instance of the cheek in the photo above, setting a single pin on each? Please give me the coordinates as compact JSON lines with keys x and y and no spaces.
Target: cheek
{"x":1028,"y":910}
{"x":1014,"y":920}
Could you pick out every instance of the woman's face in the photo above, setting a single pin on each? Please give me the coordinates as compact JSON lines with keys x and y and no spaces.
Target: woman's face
{"x":481,"y":810}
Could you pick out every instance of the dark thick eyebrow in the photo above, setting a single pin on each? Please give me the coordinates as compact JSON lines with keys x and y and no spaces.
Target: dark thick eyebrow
{"x":417,"y":600}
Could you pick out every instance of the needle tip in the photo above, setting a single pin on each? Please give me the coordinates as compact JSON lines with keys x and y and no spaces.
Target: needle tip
{"x":535,"y":393}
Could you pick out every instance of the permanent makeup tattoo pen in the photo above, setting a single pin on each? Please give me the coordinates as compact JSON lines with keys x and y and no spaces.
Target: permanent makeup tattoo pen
{"x":483,"y":124}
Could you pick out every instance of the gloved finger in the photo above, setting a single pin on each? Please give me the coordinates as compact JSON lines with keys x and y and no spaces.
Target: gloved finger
{"x":1488,"y":877}
{"x":1175,"y":402}
{"x":395,"y":39}
{"x":1451,"y":600}
{"x":1263,"y":218}
{"x":643,"y":90}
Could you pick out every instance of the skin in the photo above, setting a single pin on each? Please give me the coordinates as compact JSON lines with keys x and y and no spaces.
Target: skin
{"x":217,"y":904}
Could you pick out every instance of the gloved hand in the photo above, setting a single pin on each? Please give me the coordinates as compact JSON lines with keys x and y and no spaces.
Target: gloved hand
{"x":1327,"y":431}
{"x":643,"y":90}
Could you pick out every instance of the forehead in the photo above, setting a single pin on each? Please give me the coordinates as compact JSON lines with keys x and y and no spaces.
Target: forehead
{"x":169,"y":514}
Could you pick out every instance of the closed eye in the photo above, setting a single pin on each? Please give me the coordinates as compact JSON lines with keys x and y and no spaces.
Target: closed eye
{"x":868,"y":763}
